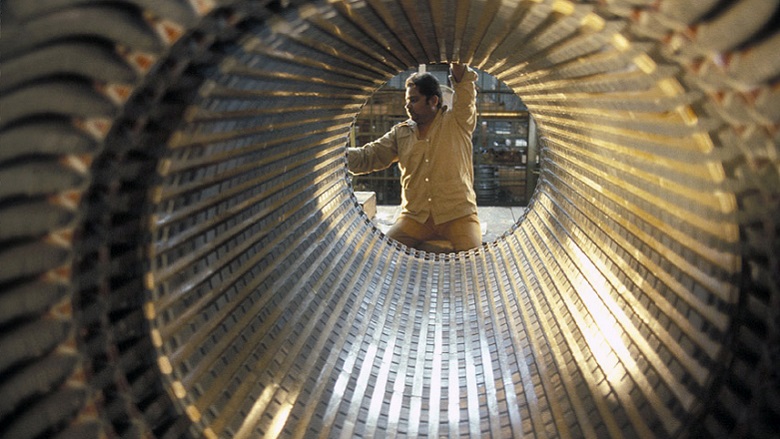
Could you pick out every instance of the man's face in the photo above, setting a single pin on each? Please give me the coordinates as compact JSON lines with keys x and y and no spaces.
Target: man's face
{"x":419,"y":109}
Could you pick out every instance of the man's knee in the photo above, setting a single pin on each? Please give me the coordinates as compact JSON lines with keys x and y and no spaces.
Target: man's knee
{"x":398,"y":234}
{"x":465,"y":233}
{"x":408,"y":232}
{"x":467,"y":242}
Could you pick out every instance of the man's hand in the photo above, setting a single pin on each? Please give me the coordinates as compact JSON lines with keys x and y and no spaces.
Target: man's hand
{"x":457,"y":71}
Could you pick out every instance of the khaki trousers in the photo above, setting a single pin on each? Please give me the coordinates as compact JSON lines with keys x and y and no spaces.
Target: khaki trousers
{"x":464,"y":233}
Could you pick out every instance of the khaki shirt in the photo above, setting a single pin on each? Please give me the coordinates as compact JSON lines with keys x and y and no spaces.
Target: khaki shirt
{"x":437,"y":173}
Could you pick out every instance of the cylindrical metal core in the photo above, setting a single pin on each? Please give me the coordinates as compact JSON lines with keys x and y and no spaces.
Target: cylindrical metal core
{"x":183,"y":256}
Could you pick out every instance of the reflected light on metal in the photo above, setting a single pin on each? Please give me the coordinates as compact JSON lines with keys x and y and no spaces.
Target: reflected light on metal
{"x":216,"y":276}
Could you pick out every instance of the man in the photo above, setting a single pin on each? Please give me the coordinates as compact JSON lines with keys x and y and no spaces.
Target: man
{"x":434,"y":154}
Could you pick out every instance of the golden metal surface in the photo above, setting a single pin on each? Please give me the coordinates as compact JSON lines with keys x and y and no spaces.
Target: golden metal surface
{"x":608,"y":305}
{"x":221,"y":281}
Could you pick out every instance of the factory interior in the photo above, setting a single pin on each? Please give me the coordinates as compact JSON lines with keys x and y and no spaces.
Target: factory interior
{"x":183,"y":253}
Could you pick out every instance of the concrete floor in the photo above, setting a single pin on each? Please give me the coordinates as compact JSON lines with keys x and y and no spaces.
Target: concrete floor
{"x":494,"y":220}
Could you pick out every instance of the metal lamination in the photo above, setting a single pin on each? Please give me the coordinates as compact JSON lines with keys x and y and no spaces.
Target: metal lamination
{"x":269,"y":326}
{"x":220,"y":279}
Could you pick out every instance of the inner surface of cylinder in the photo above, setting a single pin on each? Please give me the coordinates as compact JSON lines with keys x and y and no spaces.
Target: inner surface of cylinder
{"x":277,"y":308}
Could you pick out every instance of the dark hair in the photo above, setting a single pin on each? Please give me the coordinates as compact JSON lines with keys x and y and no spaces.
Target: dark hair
{"x":426,"y":84}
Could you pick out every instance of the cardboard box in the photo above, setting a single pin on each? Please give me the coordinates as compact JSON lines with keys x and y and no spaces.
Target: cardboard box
{"x":367,"y":201}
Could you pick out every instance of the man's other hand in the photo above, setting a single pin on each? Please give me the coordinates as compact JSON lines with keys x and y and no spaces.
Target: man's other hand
{"x":457,"y":71}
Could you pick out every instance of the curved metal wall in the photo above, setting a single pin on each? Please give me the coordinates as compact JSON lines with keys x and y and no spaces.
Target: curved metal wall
{"x":182,"y":254}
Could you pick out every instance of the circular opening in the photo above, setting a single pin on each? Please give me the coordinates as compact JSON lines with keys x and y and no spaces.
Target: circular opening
{"x":505,"y":151}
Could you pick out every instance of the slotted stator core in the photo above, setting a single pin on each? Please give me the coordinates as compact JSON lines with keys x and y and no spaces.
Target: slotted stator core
{"x":224,"y":282}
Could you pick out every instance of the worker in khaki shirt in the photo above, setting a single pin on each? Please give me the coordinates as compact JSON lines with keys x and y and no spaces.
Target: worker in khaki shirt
{"x":434,"y":153}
